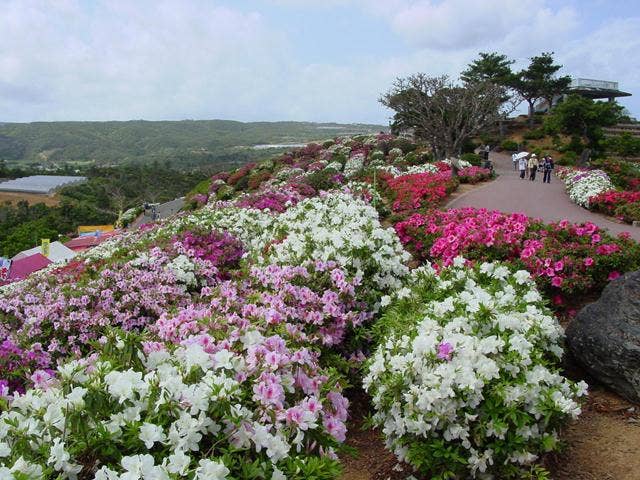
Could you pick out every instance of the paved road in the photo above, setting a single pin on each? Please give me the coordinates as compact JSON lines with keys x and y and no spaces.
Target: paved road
{"x":550,"y":202}
{"x":164,"y":210}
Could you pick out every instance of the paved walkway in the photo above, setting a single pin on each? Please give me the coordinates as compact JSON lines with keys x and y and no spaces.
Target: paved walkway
{"x":164,"y":210}
{"x":550,"y":202}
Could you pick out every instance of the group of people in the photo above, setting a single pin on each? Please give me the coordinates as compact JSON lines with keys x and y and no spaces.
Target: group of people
{"x":529,"y":166}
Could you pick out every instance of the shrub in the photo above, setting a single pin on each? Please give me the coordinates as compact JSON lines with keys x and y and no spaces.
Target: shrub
{"x":323,"y":179}
{"x":255,"y":179}
{"x":582,"y":185}
{"x":562,"y":257}
{"x":465,"y":380}
{"x":340,"y":228}
{"x":629,"y":212}
{"x":421,"y":190}
{"x":412,"y":159}
{"x":225,"y":192}
{"x":509,"y":145}
{"x":608,"y":202}
{"x":535,"y":134}
{"x":403,"y":144}
{"x":568,"y":159}
{"x":473,"y":174}
{"x":472,"y":158}
{"x":625,"y":145}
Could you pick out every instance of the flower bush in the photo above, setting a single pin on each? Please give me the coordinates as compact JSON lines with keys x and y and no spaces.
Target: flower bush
{"x":465,"y":380}
{"x":314,"y":304}
{"x":343,"y":229}
{"x":607,"y":202}
{"x":248,"y":406}
{"x":615,"y":203}
{"x":473,"y":174}
{"x":562,"y":257}
{"x":57,"y":318}
{"x":583,"y":184}
{"x":420,"y":190}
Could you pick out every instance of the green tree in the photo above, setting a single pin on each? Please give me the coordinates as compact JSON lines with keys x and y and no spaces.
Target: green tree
{"x":27,"y":235}
{"x":583,"y":117}
{"x":539,"y":81}
{"x":625,"y":145}
{"x":490,"y":67}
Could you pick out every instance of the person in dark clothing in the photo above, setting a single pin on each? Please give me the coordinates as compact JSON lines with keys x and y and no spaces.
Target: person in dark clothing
{"x":547,"y":168}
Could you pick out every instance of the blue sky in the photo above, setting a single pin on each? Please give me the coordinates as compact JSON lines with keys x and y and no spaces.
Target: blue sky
{"x":323,"y":60}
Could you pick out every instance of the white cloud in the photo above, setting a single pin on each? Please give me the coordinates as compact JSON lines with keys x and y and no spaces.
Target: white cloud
{"x":462,"y":24}
{"x":122,"y":59}
{"x":118,"y":59}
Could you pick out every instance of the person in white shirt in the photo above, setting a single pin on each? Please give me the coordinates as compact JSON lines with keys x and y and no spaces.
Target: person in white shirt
{"x":522,"y":166}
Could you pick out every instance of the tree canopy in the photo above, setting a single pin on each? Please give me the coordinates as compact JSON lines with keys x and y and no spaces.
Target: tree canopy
{"x":539,"y":81}
{"x":442,"y":112}
{"x":490,"y":67}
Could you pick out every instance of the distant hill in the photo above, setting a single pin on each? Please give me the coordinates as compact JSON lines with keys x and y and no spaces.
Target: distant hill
{"x":176,"y":143}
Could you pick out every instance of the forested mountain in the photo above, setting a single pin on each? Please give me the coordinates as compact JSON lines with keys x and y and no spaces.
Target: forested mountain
{"x":173,"y":143}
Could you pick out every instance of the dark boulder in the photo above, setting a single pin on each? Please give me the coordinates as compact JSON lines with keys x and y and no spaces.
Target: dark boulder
{"x":605,"y":337}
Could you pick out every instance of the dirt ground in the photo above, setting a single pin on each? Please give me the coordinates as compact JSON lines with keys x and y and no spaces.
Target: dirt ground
{"x":32,"y":198}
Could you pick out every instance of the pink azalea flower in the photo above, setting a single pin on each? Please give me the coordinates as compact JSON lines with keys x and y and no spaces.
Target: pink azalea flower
{"x":445,"y":351}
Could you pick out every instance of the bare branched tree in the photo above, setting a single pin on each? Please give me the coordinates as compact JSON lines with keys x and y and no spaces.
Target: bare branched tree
{"x":444,"y":113}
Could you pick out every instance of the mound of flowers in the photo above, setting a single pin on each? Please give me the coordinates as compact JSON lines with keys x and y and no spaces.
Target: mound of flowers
{"x":344,"y":229}
{"x":583,"y":184}
{"x":594,"y":190}
{"x":622,"y":204}
{"x":245,"y":406}
{"x":474,"y":174}
{"x":562,"y":257}
{"x":465,"y":381}
{"x":419,"y":190}
{"x":215,"y":344}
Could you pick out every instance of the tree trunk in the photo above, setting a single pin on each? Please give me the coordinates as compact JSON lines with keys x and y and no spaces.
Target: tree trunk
{"x":531,"y":104}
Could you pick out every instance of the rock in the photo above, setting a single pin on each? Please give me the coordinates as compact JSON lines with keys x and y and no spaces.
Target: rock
{"x":605,"y":337}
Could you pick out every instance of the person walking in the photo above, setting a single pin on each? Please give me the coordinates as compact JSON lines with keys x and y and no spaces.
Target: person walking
{"x":547,"y":168}
{"x":522,"y":166}
{"x":514,"y":160}
{"x":533,"y":167}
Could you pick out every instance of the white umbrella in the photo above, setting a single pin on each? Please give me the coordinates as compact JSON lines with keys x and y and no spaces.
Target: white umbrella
{"x":521,"y":155}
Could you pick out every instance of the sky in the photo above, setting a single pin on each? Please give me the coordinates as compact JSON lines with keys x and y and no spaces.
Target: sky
{"x":270,"y":60}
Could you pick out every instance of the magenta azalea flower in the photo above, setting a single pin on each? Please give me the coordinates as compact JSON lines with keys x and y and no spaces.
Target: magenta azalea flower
{"x":445,"y":350}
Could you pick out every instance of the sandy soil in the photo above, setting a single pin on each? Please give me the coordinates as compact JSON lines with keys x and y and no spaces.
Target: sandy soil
{"x":32,"y":198}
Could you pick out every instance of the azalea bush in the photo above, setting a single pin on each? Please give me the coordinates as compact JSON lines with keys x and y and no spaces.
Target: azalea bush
{"x":314,"y":303}
{"x":616,"y":203}
{"x":337,"y":227}
{"x":473,"y":174}
{"x":583,"y":184}
{"x":56,"y":318}
{"x":465,"y":381}
{"x":247,"y":406}
{"x":420,"y":190}
{"x":562,"y":257}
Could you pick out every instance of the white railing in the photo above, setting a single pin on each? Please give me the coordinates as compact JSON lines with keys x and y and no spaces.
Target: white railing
{"x":590,"y":83}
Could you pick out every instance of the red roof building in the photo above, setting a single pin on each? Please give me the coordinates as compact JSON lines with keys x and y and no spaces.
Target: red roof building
{"x":80,"y":244}
{"x":22,"y":267}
